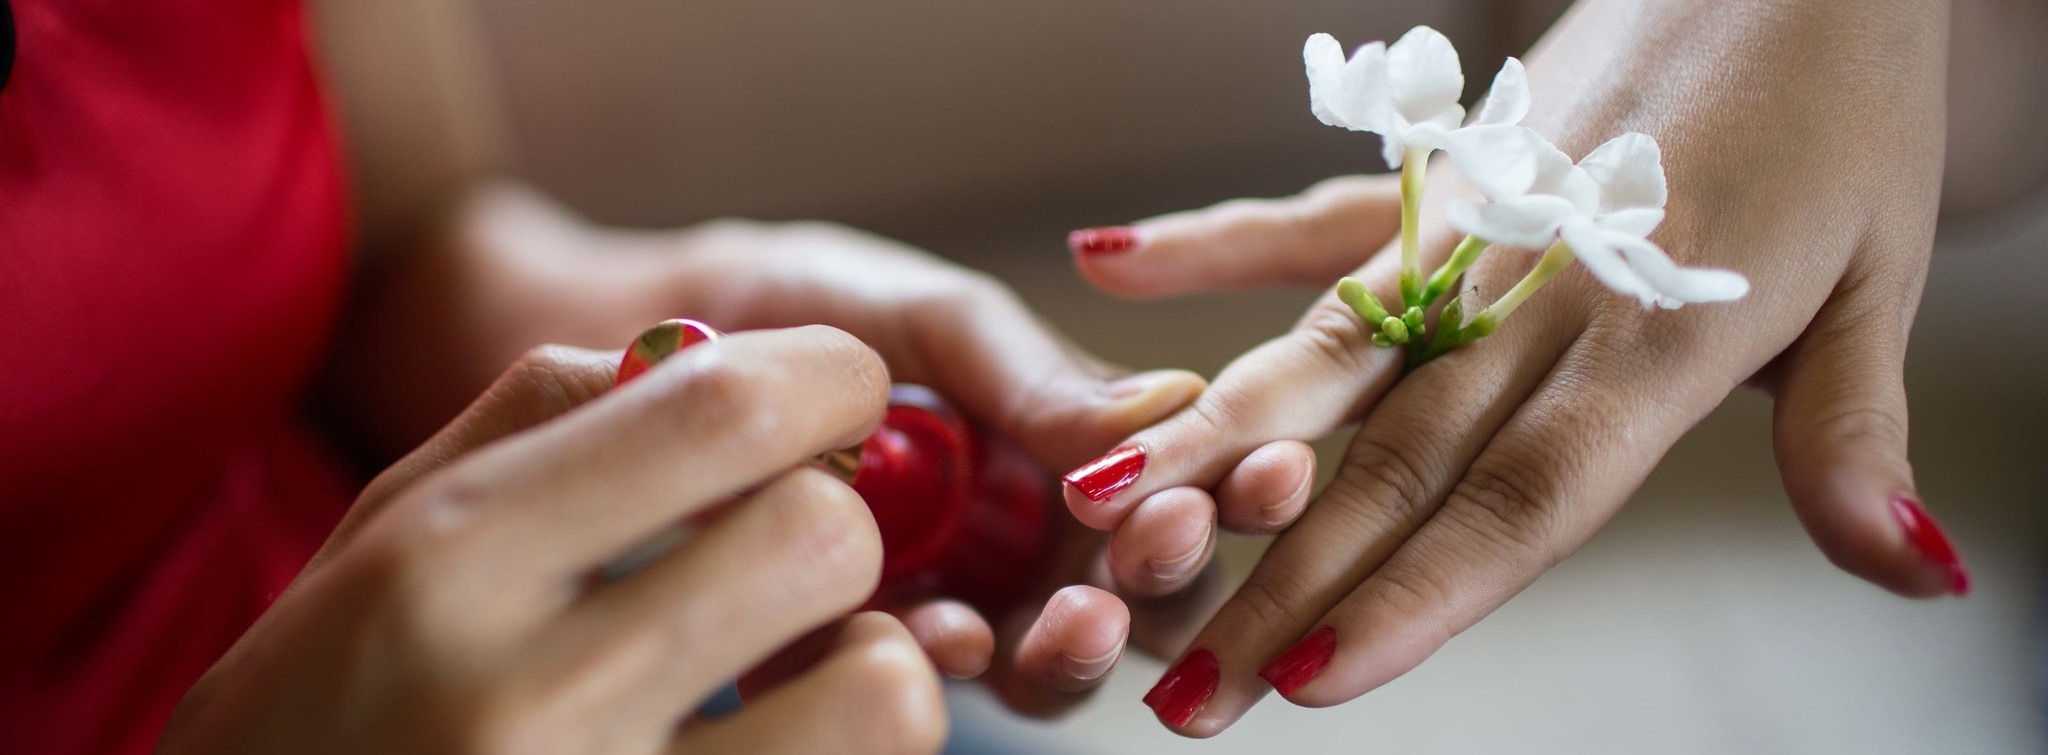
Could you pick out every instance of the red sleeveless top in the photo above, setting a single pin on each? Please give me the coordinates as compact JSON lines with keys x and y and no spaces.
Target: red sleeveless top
{"x":172,"y":256}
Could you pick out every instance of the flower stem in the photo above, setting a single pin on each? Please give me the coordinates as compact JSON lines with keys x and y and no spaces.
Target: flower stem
{"x":1554,"y":261}
{"x":1447,"y":276}
{"x":1412,"y":168}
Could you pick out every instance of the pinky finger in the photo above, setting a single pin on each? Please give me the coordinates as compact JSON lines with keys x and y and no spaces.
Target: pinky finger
{"x":954,"y":636}
{"x":872,"y":691}
{"x":1068,"y":652}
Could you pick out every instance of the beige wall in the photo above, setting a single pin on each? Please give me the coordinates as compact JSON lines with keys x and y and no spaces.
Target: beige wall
{"x":911,"y":115}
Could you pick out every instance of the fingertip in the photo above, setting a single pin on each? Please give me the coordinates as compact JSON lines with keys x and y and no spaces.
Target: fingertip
{"x":1164,"y":543}
{"x":1104,"y":241}
{"x":1872,"y":528}
{"x":1269,"y":489}
{"x":1078,"y":638}
{"x":1147,"y":398}
{"x":1091,"y":490}
{"x":954,"y":636}
{"x":1114,"y":261}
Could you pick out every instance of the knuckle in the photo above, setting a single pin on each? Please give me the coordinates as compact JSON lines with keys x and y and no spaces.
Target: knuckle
{"x":1332,"y":334}
{"x":1274,"y":595}
{"x":1511,"y":502}
{"x":1406,"y":590}
{"x":546,"y":380}
{"x":1861,"y":424}
{"x":1388,"y":477}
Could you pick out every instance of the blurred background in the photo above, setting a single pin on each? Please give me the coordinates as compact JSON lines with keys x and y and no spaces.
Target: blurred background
{"x":1700,"y":621}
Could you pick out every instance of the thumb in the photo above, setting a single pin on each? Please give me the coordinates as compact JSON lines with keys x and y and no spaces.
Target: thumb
{"x":1009,"y":370}
{"x":1304,"y":240}
{"x":545,"y":383}
{"x":1840,"y":434}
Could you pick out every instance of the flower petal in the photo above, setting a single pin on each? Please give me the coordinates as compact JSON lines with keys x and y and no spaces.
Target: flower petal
{"x":1604,"y":261}
{"x":1499,"y":160}
{"x":1508,"y":100}
{"x":1528,"y":222}
{"x":1347,"y":94}
{"x":1392,"y":148}
{"x":1427,"y":80}
{"x":1324,"y":59}
{"x":1637,"y":221}
{"x":1675,"y":284}
{"x":1433,"y":135}
{"x":1630,"y":172}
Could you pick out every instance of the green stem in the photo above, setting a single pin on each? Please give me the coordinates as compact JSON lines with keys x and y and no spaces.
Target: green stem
{"x":1447,"y":276}
{"x":1489,"y":319}
{"x":1554,"y":261}
{"x":1413,"y":166}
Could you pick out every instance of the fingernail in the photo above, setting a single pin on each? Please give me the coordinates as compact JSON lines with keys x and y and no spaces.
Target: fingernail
{"x":1096,"y":241}
{"x":1136,"y":384}
{"x":1179,"y":567}
{"x":1933,"y":544}
{"x":1278,"y":513}
{"x":1088,"y":669}
{"x":1301,"y":663}
{"x":1185,"y":688}
{"x":1104,"y":477}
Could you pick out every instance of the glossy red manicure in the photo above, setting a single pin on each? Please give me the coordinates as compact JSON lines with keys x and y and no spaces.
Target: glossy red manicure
{"x":1933,"y":544}
{"x":1301,"y":663}
{"x":1104,"y":477}
{"x":1185,"y":688}
{"x":1093,"y":241}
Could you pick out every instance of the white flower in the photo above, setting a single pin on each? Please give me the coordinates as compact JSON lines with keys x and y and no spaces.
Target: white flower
{"x":1407,"y":93}
{"x":1604,"y":208}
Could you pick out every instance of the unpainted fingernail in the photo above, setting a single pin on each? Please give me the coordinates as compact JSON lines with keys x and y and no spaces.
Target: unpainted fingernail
{"x":1089,"y":669}
{"x":1279,"y":512}
{"x":1179,"y":567}
{"x":1136,"y":384}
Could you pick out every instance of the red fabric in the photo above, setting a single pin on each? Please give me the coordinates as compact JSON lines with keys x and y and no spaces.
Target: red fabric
{"x":172,"y":255}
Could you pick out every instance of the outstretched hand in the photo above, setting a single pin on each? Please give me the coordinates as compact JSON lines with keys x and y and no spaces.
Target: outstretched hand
{"x":1804,"y":142}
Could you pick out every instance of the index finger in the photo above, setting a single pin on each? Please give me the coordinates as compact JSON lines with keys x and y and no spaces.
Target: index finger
{"x":697,"y":429}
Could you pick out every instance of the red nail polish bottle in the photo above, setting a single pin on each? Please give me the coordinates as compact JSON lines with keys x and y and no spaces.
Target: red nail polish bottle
{"x":962,"y":514}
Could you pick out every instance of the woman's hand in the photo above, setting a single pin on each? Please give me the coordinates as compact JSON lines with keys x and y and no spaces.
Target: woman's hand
{"x":514,"y":271}
{"x":460,"y":607}
{"x":1803,"y":140}
{"x":970,"y":338}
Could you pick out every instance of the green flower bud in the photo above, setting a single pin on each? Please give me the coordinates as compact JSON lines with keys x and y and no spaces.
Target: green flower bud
{"x":1355,"y":295}
{"x":1395,"y":330}
{"x":1380,"y":339}
{"x":1413,"y":318}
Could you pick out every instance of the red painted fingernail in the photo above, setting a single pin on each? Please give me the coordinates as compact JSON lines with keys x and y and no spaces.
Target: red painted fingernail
{"x":1092,"y":241}
{"x":1102,"y":478}
{"x":1933,"y":545}
{"x":1301,"y":663}
{"x":1185,"y":688}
